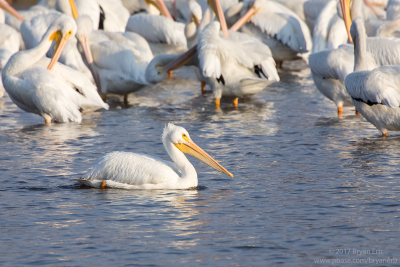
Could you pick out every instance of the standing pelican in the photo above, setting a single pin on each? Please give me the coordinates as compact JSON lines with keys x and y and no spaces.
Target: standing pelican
{"x":236,"y":66}
{"x":329,"y":68}
{"x":376,"y":93}
{"x":139,"y":171}
{"x":57,"y":93}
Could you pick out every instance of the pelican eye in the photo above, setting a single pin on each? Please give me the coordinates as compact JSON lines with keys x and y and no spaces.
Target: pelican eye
{"x":68,"y":34}
{"x":185,"y":137}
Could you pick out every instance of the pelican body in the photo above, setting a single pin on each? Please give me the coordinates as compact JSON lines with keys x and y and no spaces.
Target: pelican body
{"x":236,"y":66}
{"x":119,"y":59}
{"x":57,"y":93}
{"x":329,"y":68}
{"x":376,"y":93}
{"x":138,"y":171}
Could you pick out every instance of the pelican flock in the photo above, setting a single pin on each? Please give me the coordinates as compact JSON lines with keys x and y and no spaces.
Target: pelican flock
{"x":62,"y":58}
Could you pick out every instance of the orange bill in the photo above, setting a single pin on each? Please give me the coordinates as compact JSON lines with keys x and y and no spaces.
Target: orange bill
{"x":192,"y":149}
{"x":59,"y":47}
{"x":4,"y":5}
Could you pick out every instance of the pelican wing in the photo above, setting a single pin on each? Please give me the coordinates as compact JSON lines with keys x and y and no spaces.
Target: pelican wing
{"x":33,"y":30}
{"x":132,"y":169}
{"x":116,"y":15}
{"x":76,"y":81}
{"x":380,"y":86}
{"x":158,"y":29}
{"x":9,"y":38}
{"x":277,"y":20}
{"x":259,"y":53}
{"x":333,"y":64}
{"x":36,"y":90}
{"x":212,"y":49}
{"x":312,"y":8}
{"x":117,"y":60}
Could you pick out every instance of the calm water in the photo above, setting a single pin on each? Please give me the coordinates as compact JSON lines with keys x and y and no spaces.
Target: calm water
{"x":307,"y":184}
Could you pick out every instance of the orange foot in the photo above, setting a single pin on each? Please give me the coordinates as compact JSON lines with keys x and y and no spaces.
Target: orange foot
{"x":340,"y":111}
{"x":48,"y":121}
{"x":203,"y":87}
{"x":235,"y":102}
{"x":217,"y":102}
{"x":103,"y":185}
{"x":170,"y":73}
{"x":385,"y":134}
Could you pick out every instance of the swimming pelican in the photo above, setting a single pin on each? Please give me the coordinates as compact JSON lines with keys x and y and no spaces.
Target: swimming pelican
{"x":58,"y":92}
{"x":329,"y":68}
{"x":275,"y":25}
{"x":376,"y":93}
{"x":139,"y":171}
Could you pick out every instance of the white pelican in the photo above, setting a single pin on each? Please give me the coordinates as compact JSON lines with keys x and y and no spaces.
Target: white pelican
{"x":297,"y":6}
{"x":163,"y":35}
{"x":275,"y":25}
{"x":329,"y":68}
{"x":119,"y":59}
{"x":196,"y":16}
{"x":58,"y":92}
{"x":375,"y":93}
{"x":32,"y":32}
{"x":329,"y":29}
{"x":9,"y":44}
{"x":108,"y":15}
{"x":393,"y":9}
{"x":236,"y":66}
{"x":139,"y":171}
{"x":312,"y":9}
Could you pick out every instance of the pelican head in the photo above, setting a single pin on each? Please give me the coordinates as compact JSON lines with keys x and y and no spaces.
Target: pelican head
{"x":160,"y":6}
{"x":181,"y":139}
{"x":196,"y":12}
{"x":161,"y":64}
{"x":60,"y":31}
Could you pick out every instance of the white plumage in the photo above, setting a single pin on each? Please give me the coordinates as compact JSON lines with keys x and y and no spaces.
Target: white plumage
{"x":120,"y":59}
{"x":33,"y":30}
{"x":9,"y":44}
{"x":276,"y":26}
{"x":58,"y":94}
{"x":164,"y":35}
{"x":376,"y":93}
{"x":235,"y":66}
{"x":139,"y":171}
{"x":329,"y":30}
